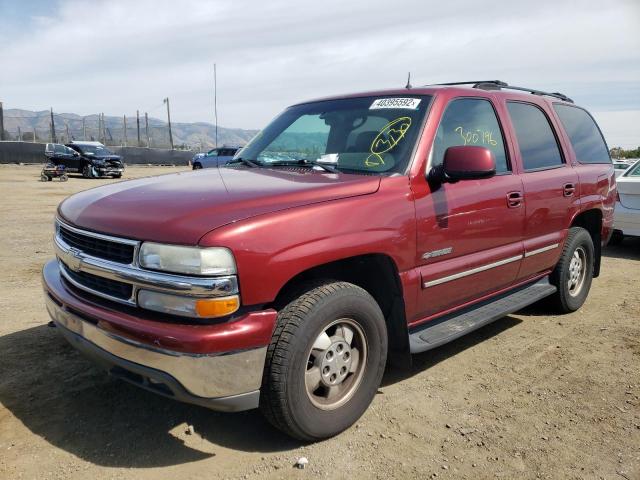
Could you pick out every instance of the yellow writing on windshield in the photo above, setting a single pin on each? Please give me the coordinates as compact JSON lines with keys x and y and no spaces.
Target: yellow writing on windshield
{"x":388,"y":137}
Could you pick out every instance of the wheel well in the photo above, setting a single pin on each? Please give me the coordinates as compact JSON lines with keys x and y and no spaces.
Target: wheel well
{"x":591,"y":221}
{"x":375,"y":273}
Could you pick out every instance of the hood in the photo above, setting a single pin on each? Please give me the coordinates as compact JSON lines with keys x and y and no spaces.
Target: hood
{"x":181,"y":207}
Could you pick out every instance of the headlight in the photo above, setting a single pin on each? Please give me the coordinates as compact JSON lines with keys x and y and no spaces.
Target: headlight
{"x":187,"y":260}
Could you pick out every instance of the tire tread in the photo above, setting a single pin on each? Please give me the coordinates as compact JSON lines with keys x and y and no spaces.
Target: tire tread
{"x":273,"y":400}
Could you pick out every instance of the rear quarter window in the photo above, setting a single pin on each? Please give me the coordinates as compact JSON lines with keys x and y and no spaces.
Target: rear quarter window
{"x":584,"y":134}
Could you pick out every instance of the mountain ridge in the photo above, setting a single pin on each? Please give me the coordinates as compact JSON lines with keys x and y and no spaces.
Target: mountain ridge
{"x":69,"y":126}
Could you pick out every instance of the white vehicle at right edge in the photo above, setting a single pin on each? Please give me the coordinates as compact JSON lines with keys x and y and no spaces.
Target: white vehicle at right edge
{"x":627,"y":214}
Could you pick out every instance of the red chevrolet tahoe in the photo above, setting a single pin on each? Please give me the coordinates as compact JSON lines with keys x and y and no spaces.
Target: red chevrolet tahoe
{"x":350,"y":232}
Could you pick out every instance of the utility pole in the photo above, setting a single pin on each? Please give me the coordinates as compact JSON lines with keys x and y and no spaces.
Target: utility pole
{"x":215,"y":99}
{"x":104,"y":130}
{"x":138,"y":125}
{"x":53,"y":128}
{"x":19,"y":134}
{"x":67,"y":128}
{"x":124,"y":121}
{"x":99,"y":127}
{"x":34,"y":134}
{"x":1,"y":123}
{"x":166,"y":100}
{"x":84,"y":129}
{"x":146,"y":126}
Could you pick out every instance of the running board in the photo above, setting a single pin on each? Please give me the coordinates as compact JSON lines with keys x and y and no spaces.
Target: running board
{"x":443,"y":330}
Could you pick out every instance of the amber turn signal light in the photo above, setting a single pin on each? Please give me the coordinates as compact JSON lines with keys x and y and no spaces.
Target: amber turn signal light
{"x":217,"y":307}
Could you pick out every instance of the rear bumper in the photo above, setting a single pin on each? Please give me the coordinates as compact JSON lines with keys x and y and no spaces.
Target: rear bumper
{"x":627,"y":220}
{"x":221,"y":380}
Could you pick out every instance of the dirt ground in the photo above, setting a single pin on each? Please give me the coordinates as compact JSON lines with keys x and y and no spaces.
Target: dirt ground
{"x":533,"y":395}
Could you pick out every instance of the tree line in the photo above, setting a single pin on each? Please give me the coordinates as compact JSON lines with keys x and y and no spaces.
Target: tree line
{"x":618,"y":152}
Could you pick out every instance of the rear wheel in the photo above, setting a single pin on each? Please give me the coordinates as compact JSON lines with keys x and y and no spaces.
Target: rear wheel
{"x":325,"y":361}
{"x":197,"y":166}
{"x":574,"y":272}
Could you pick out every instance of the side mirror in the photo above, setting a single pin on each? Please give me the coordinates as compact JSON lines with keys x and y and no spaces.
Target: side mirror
{"x":468,"y":162}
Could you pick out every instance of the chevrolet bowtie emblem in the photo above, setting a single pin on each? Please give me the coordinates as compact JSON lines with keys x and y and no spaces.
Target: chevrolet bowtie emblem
{"x":74,"y":259}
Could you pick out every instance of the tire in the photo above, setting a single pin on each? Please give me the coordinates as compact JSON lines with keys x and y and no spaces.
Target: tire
{"x":197,"y":166}
{"x":119,"y":175}
{"x":44,"y":178}
{"x":574,"y":272}
{"x":86,"y":171}
{"x":616,"y":238}
{"x":64,"y":178}
{"x":323,"y":316}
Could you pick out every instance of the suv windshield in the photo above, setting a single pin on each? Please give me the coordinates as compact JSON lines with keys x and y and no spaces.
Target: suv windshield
{"x":365,"y":134}
{"x":97,"y":150}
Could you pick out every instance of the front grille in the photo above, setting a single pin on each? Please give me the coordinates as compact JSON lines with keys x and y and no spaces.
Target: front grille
{"x":105,"y":286}
{"x":98,"y":247}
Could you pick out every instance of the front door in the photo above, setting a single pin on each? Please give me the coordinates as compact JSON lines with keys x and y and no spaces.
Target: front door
{"x":469,"y":233}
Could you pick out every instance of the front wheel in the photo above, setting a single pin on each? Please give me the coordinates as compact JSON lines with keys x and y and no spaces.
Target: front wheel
{"x":574,"y":272}
{"x":87,"y":171}
{"x":325,"y":361}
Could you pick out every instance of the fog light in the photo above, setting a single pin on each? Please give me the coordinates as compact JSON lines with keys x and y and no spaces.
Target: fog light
{"x":188,"y":306}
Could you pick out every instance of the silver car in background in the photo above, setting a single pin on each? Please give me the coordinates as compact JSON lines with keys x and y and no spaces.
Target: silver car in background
{"x":215,"y":157}
{"x":627,"y":214}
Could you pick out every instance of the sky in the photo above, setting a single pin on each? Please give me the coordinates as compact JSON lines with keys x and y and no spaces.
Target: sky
{"x":120,"y":56}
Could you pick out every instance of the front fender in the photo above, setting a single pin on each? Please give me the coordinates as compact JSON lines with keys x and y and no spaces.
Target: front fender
{"x":273,"y":248}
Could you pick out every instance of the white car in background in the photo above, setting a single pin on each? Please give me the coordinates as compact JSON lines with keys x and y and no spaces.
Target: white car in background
{"x":621,"y":166}
{"x":627,"y":215}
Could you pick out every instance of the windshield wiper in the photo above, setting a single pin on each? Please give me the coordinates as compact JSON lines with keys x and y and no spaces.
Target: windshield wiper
{"x":307,"y":162}
{"x":245,"y":161}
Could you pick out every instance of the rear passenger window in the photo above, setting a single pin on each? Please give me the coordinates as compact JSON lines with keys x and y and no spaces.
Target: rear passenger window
{"x":584,"y":134}
{"x":470,"y":121}
{"x":538,"y":145}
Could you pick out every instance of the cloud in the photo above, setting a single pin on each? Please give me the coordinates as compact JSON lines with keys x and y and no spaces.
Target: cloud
{"x":119,"y":56}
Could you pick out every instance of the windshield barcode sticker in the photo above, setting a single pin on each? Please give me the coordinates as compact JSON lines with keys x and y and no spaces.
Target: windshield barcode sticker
{"x":408,"y":103}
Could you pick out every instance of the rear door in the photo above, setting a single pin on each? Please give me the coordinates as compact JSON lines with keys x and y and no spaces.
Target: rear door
{"x":469,"y":233}
{"x":551,"y":196}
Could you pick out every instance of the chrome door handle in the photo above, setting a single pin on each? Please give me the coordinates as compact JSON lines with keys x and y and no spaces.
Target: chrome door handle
{"x":568,"y":189}
{"x":514,"y":199}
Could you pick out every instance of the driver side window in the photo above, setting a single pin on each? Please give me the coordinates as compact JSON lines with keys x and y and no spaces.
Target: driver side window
{"x":470,"y":121}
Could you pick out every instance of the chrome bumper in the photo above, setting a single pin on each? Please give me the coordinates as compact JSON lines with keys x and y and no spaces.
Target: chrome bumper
{"x":227,"y":382}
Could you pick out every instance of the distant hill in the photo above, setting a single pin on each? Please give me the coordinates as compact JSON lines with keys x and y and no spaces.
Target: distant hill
{"x":195,"y":136}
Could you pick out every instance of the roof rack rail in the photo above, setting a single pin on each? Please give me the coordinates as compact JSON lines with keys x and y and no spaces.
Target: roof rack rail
{"x":499,"y":84}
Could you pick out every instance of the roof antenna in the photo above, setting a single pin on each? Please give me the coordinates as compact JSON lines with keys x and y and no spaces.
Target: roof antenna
{"x":408,"y":82}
